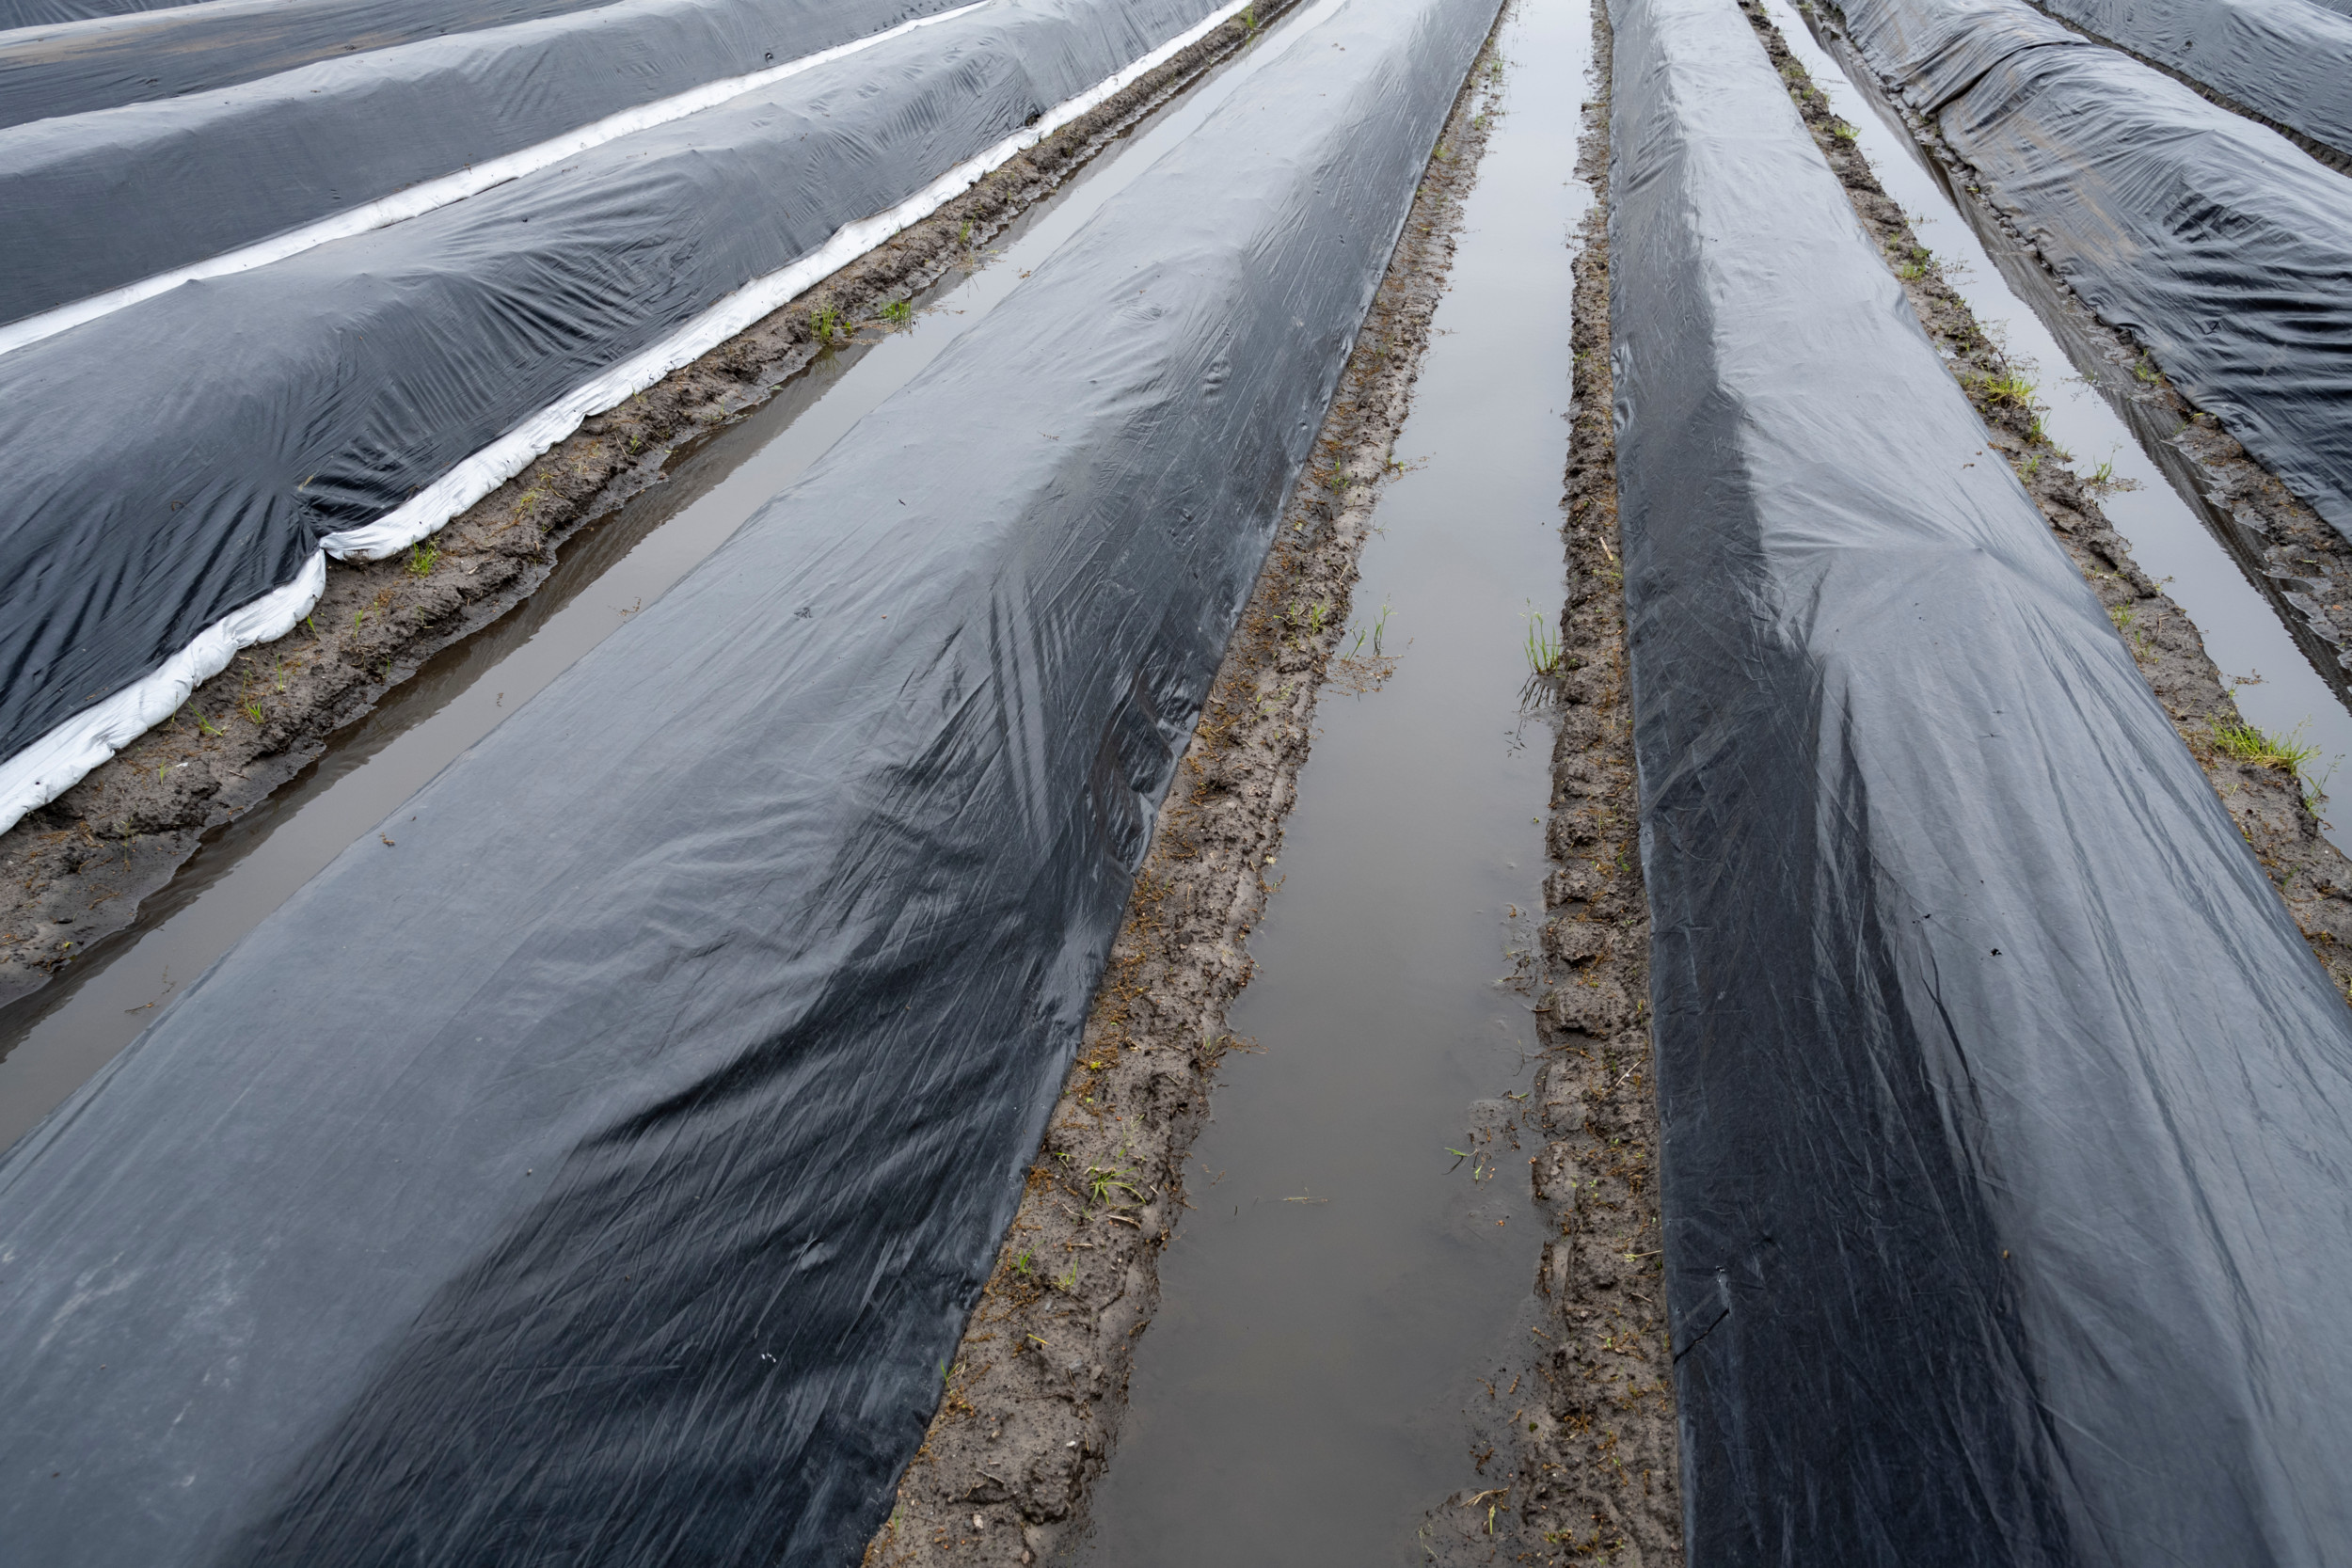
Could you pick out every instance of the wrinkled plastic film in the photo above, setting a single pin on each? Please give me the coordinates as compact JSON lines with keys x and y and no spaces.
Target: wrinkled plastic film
{"x":36,"y":13}
{"x":116,"y":204}
{"x":2213,"y":240}
{"x":607,"y":1163}
{"x":2006,"y":1118}
{"x":59,"y":56}
{"x":2283,"y":60}
{"x":357,"y":395}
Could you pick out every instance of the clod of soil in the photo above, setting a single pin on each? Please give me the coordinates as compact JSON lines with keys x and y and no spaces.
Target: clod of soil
{"x":76,"y":869}
{"x":2257,"y":783}
{"x":1031,"y":1406}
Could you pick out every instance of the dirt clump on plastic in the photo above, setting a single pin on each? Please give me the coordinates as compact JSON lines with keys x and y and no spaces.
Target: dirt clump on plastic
{"x":1031,"y":1406}
{"x":75,"y":870}
{"x":2256,"y":775}
{"x":1581,"y":1454}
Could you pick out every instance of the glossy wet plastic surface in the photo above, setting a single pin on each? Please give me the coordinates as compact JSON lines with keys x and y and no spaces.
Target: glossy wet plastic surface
{"x":2091,"y":415}
{"x":55,"y":1039}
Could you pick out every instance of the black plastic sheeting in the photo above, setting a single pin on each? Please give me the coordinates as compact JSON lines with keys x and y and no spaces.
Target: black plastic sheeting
{"x":2007,"y":1118}
{"x":179,"y":458}
{"x":101,"y":199}
{"x":602,"y":1171}
{"x":187,"y":44}
{"x":53,"y":66}
{"x":2286,"y":60}
{"x":2215,"y":242}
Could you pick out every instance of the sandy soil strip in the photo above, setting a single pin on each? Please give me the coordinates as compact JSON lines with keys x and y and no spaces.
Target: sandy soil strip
{"x":77,"y":870}
{"x":2263,"y":792}
{"x":1031,"y":1406}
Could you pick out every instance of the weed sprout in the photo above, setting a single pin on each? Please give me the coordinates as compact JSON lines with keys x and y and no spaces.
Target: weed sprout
{"x":2287,"y":752}
{"x":1544,"y":653}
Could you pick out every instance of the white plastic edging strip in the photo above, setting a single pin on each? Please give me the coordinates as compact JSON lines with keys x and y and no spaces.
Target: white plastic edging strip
{"x":502,"y":459}
{"x":60,"y":759}
{"x":419,"y":199}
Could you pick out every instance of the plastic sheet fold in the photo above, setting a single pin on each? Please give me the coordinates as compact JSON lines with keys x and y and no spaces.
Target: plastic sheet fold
{"x":129,"y":51}
{"x":2284,"y":59}
{"x":180,"y":458}
{"x":2215,"y":241}
{"x":2006,"y":1116}
{"x":105,"y":198}
{"x":598,"y":1171}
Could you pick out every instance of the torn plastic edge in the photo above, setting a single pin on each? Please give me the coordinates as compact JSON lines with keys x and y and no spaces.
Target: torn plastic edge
{"x":64,"y":756}
{"x":431,"y":194}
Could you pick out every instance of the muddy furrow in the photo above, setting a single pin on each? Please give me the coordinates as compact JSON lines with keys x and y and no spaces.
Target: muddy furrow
{"x":1030,"y":1408}
{"x":1580,"y":1446}
{"x":76,"y":870}
{"x":2260,"y":787}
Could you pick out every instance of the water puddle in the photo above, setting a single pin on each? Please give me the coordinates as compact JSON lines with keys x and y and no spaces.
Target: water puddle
{"x":1299,"y":1397}
{"x":2166,"y":520}
{"x":54,"y":1041}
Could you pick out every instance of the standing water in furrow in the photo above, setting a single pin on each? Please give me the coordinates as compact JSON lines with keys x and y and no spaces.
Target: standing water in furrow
{"x":1345,"y":1274}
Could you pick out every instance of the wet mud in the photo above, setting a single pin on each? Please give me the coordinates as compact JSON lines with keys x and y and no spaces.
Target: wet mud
{"x":79,"y":870}
{"x":1583,"y":1454}
{"x":1032,"y":1405}
{"x":2265,"y":793}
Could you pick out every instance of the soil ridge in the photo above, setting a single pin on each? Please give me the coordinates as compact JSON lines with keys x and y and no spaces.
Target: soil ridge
{"x":1580,"y":1435}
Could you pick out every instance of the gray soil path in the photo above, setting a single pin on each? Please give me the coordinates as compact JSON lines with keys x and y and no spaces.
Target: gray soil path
{"x":77,"y":870}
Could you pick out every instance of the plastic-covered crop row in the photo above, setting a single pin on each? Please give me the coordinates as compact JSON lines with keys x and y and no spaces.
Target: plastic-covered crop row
{"x":186,"y":459}
{"x":115,"y":196}
{"x":599,"y":1169}
{"x":62,"y":58}
{"x":2286,"y":60}
{"x":2007,"y":1118}
{"x":37,"y":13}
{"x":2213,"y":240}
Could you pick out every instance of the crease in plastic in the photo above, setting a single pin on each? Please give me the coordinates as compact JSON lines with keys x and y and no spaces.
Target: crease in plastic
{"x":64,"y":754}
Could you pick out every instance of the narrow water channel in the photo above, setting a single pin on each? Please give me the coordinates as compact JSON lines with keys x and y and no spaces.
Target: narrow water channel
{"x":2159,"y":513}
{"x":1340,"y":1280}
{"x":54,"y":1041}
